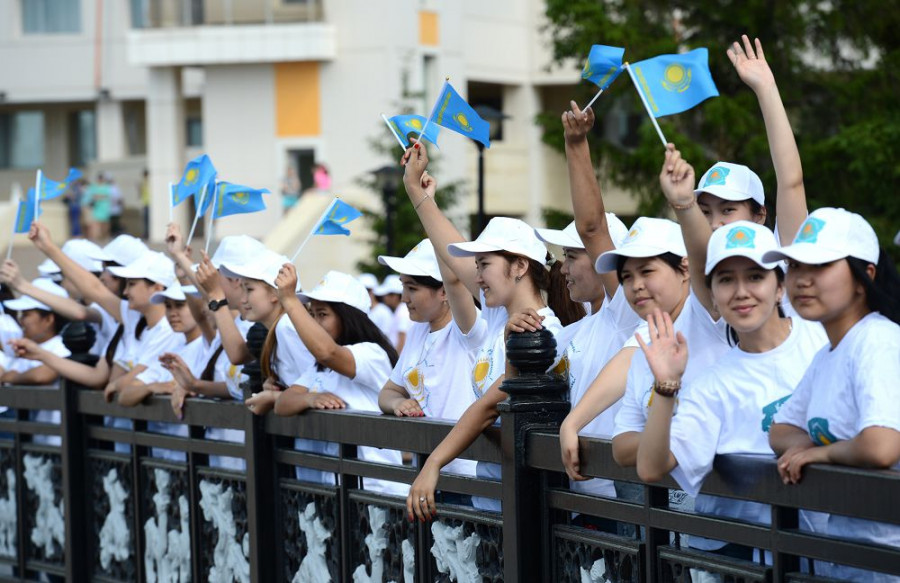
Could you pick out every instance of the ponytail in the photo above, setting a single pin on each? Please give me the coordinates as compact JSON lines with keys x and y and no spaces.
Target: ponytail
{"x":210,"y":369}
{"x":270,"y":346}
{"x":113,"y":344}
{"x":883,"y":292}
{"x":139,"y":329}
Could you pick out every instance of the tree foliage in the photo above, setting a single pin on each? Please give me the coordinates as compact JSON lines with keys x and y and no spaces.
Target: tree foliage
{"x":837,"y":64}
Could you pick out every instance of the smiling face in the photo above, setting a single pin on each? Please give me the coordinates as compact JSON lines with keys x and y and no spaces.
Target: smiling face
{"x":582,"y":280}
{"x":745,"y":294}
{"x":823,"y":293}
{"x":719,"y":211}
{"x":327,"y":318}
{"x":258,"y":300}
{"x":138,"y":292}
{"x":425,"y":304}
{"x":179,"y":316}
{"x":495,"y":275}
{"x":650,"y":282}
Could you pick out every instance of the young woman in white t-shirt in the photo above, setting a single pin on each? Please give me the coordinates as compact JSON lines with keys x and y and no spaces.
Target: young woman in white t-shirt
{"x":40,"y":332}
{"x":845,"y":409}
{"x":728,"y":409}
{"x":505,"y":267}
{"x":353,"y":360}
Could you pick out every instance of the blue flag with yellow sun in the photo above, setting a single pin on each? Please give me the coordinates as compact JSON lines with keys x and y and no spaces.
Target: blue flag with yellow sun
{"x":603,"y":65}
{"x":25,"y":212}
{"x":404,"y":125}
{"x":675,"y":83}
{"x":452,"y":112}
{"x":340,"y":213}
{"x":234,"y":199}
{"x":198,"y":173}
{"x":51,"y":189}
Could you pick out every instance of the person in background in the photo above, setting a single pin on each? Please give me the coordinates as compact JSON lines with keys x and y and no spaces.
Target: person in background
{"x":115,"y":205}
{"x":97,"y":199}
{"x":379,"y":313}
{"x":321,"y":178}
{"x":72,"y":199}
{"x":290,"y":189}
{"x":144,"y":194}
{"x":389,"y":293}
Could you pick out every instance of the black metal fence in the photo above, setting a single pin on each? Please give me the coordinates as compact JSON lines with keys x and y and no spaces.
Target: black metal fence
{"x":104,"y":503}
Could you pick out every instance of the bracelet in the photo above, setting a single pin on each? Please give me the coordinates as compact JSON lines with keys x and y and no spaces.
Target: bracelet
{"x":684,"y":207}
{"x":666,"y":388}
{"x":418,"y":204}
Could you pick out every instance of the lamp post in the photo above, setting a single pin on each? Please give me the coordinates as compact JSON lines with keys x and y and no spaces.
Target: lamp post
{"x":387,"y":178}
{"x":493,"y":116}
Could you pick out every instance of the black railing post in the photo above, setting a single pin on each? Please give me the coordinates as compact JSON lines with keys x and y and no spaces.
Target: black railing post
{"x":261,"y":483}
{"x":537,"y":401}
{"x":78,"y":337}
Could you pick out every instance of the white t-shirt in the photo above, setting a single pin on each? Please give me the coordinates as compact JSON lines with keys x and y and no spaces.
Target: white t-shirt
{"x":707,"y":344}
{"x":154,"y":341}
{"x":226,"y":372}
{"x":383,"y":318}
{"x":729,"y":409}
{"x":9,"y":330}
{"x":292,"y":358}
{"x":400,"y":323}
{"x":55,"y":346}
{"x":105,"y":329}
{"x":588,"y":345}
{"x":434,"y":369}
{"x":373,"y":367}
{"x":195,"y":354}
{"x":846,"y":389}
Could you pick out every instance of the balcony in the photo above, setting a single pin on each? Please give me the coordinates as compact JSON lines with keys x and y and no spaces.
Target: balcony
{"x":223,"y":32}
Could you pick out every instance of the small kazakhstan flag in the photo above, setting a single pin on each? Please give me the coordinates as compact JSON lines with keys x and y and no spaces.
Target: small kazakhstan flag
{"x":339,"y":213}
{"x":51,"y":189}
{"x":452,"y":112}
{"x":234,"y":199}
{"x":198,"y":173}
{"x":25,"y":212}
{"x":603,"y":65}
{"x":403,"y":125}
{"x":675,"y":83}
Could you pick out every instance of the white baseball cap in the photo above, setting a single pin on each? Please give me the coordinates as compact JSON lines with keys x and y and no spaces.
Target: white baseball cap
{"x":648,"y":237}
{"x":829,"y":234}
{"x":265,"y":267}
{"x":732,"y":182}
{"x":570,"y":238}
{"x":236,"y":250}
{"x":390,"y":285}
{"x":29,"y":303}
{"x":503,"y":234}
{"x":81,"y":251}
{"x":368,"y":280}
{"x":339,"y":287}
{"x":152,"y":265}
{"x":123,"y":250}
{"x":420,"y":261}
{"x":740,"y":239}
{"x":173,"y":292}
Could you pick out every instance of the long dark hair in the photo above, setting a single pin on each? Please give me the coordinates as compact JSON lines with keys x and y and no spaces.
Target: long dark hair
{"x":553,"y":282}
{"x":356,"y":327}
{"x":882,"y":293}
{"x":730,"y":332}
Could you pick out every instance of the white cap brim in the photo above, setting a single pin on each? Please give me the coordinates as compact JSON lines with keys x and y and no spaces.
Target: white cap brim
{"x":25,"y":303}
{"x":755,"y":258}
{"x":806,"y":253}
{"x":558,"y":238}
{"x":405,"y":266}
{"x":472,"y":248}
{"x":725,"y":193}
{"x":607,"y":261}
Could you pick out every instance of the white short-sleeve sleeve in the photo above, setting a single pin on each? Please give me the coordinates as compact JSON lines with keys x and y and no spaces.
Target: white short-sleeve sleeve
{"x":373,"y":367}
{"x":631,"y":415}
{"x":486,"y":321}
{"x":877,"y":369}
{"x":793,"y":411}
{"x":147,"y":352}
{"x":694,"y":435}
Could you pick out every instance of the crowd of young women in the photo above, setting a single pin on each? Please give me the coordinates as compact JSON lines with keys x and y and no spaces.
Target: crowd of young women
{"x":679,"y":340}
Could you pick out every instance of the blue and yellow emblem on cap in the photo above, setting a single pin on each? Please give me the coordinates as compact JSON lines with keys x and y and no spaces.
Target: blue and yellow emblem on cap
{"x":676,"y":78}
{"x":809,"y":230}
{"x":740,"y":237}
{"x":715,"y":176}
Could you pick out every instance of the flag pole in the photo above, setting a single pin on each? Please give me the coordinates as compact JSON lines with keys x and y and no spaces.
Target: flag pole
{"x":646,"y":105}
{"x":313,"y":230}
{"x":190,"y":236}
{"x":37,"y":192}
{"x":593,"y":99}
{"x":433,"y":109}
{"x":212,"y":217}
{"x":16,"y":201}
{"x":393,"y":133}
{"x":171,"y":203}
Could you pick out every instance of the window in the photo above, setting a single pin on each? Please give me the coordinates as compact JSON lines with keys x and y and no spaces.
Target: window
{"x":51,"y":16}
{"x":22,"y":139}
{"x":82,"y":137}
{"x":194,"y":135}
{"x":135,"y":116}
{"x":489,"y":95}
{"x":140,"y":15}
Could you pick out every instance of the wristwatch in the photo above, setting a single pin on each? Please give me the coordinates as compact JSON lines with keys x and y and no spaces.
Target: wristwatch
{"x":216,"y":304}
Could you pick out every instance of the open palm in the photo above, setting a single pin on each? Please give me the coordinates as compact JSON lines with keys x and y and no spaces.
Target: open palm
{"x":750,"y":63}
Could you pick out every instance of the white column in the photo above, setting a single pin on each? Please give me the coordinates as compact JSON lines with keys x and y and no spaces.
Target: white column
{"x":537,"y":190}
{"x":110,"y":131}
{"x":165,"y":145}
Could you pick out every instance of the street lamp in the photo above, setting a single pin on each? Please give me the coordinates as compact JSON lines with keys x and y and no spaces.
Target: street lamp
{"x":387,"y":178}
{"x":493,"y":116}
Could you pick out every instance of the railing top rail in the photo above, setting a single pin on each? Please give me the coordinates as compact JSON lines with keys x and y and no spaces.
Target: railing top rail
{"x":823,"y":488}
{"x":30,"y":397}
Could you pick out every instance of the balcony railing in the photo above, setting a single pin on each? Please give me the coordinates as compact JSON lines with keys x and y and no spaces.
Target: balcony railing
{"x":152,"y":14}
{"x":103,"y":506}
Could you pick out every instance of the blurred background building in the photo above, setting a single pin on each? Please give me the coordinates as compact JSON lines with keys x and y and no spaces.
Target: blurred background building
{"x":266,"y":85}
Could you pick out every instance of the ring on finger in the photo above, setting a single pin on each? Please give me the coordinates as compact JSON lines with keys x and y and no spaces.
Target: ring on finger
{"x":422,"y":499}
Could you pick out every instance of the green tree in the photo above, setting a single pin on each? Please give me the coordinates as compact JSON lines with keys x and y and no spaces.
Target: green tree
{"x":837,"y":65}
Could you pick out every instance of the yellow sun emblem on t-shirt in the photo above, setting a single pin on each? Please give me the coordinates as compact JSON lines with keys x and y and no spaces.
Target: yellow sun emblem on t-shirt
{"x":415,"y":384}
{"x":480,"y":373}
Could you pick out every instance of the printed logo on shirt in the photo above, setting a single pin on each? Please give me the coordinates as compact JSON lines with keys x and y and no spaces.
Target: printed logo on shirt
{"x":415,"y":385}
{"x":769,"y":412}
{"x":740,"y":237}
{"x":809,"y":230}
{"x":562,"y":367}
{"x":479,"y":374}
{"x":818,"y":431}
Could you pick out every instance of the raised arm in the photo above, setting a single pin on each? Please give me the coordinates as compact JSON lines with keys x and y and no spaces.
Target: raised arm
{"x":587,"y":200}
{"x":66,"y":307}
{"x":91,"y":288}
{"x":439,"y":228}
{"x":790,"y":201}
{"x":317,"y":340}
{"x":677,"y":182}
{"x":234,"y":343}
{"x":94,"y":377}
